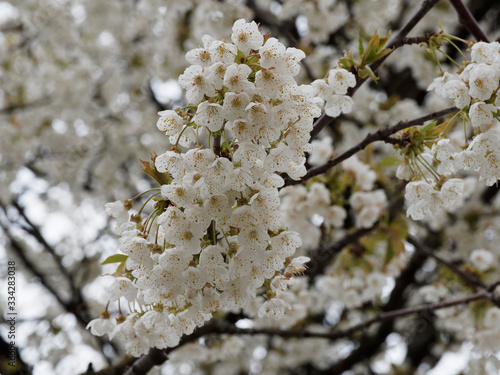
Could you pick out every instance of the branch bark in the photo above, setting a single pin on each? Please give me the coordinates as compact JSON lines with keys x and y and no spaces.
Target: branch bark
{"x":323,"y":256}
{"x":156,"y":357}
{"x":78,"y":308}
{"x":467,"y":19}
{"x":379,"y":135}
{"x":467,"y":277}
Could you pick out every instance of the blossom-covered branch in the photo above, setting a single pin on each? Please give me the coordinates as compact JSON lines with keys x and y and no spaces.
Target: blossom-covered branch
{"x":379,"y":135}
{"x":157,"y":357}
{"x":397,"y":41}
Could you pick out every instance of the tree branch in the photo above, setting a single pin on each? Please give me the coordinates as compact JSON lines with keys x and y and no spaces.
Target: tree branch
{"x":379,"y":135}
{"x":394,"y":43}
{"x":391,"y":315}
{"x":78,"y":308}
{"x":323,"y":256}
{"x":467,"y":277}
{"x":33,"y":230}
{"x":34,"y":104}
{"x":467,"y":19}
{"x":156,"y":357}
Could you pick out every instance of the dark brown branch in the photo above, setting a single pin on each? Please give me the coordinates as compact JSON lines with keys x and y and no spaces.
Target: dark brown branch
{"x":76,"y":295}
{"x":467,"y":19}
{"x":379,"y":135}
{"x":156,"y":357}
{"x":217,"y":148}
{"x":14,"y":107}
{"x":78,"y":308}
{"x":467,"y":277}
{"x":391,"y":315}
{"x":426,"y":6}
{"x":33,"y":230}
{"x":323,"y":256}
{"x":415,"y":40}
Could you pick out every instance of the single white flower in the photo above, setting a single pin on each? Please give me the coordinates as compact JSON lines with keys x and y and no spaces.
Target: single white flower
{"x":340,"y":80}
{"x":222,"y":52}
{"x":481,"y":114}
{"x":210,"y":115}
{"x":486,"y":53}
{"x":201,"y":56}
{"x":235,"y":104}
{"x":482,"y":259}
{"x":195,"y":81}
{"x":458,"y":90}
{"x":246,"y":36}
{"x":100,"y":326}
{"x":483,"y":81}
{"x":236,"y":78}
{"x":122,"y":287}
{"x":169,"y":122}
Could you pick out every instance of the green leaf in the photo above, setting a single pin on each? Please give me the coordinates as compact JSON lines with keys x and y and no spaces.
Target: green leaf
{"x":361,"y":48}
{"x":438,"y":129}
{"x":389,"y":161}
{"x":151,"y":171}
{"x":427,"y":128}
{"x":367,"y":72}
{"x":116,"y":258}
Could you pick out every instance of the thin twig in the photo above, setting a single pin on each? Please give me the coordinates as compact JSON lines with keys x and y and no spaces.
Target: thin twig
{"x":323,"y":256}
{"x":467,"y":19}
{"x":467,"y":277}
{"x":78,"y":308}
{"x":415,"y":40}
{"x":34,"y":104}
{"x":36,"y":233}
{"x":365,"y":324}
{"x":379,"y":135}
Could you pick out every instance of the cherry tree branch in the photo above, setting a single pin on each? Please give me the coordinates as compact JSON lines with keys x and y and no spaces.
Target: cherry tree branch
{"x":33,"y":230}
{"x":415,"y":40}
{"x":156,"y":357}
{"x":379,"y":135}
{"x":426,"y":6}
{"x":76,"y":307}
{"x":390,"y":315}
{"x":397,"y":41}
{"x":467,"y":19}
{"x":467,"y":277}
{"x":34,"y":104}
{"x":323,"y":256}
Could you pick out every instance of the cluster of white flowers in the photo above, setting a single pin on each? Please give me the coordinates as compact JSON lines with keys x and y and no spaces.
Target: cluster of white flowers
{"x":216,"y":233}
{"x":353,"y":291}
{"x":424,"y":200}
{"x":368,"y":206}
{"x":475,"y":85}
{"x":333,"y":91}
{"x":306,"y":208}
{"x":475,"y":93}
